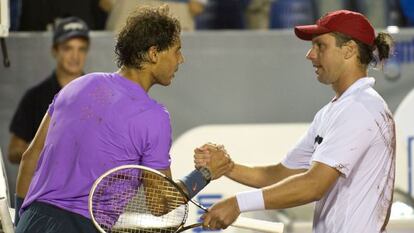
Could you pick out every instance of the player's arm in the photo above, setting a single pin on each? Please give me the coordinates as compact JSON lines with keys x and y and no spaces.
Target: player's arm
{"x":295,"y":190}
{"x":166,"y":200}
{"x":166,"y":172}
{"x":190,"y":184}
{"x":197,"y":179}
{"x":30,"y":158}
{"x":17,"y":147}
{"x":302,"y":188}
{"x":261,"y":176}
{"x":257,"y":177}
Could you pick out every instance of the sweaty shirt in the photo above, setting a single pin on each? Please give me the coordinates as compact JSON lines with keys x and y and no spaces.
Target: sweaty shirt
{"x":98,"y":122}
{"x":355,"y":134}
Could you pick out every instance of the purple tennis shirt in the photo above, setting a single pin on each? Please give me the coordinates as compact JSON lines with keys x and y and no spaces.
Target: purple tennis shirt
{"x":98,"y":122}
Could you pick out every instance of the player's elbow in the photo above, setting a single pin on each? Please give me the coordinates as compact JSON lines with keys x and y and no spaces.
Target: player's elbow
{"x":318,"y":195}
{"x":320,"y":179}
{"x":316,"y":191}
{"x":26,"y":156}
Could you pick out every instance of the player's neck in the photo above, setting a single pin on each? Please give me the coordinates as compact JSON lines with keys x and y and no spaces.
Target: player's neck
{"x":345,"y":82}
{"x":139,"y":76}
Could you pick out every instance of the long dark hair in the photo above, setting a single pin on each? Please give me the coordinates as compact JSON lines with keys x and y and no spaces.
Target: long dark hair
{"x":379,"y":52}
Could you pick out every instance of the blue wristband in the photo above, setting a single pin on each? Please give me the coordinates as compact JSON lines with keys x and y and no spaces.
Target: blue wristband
{"x":194,"y":182}
{"x":18,"y":202}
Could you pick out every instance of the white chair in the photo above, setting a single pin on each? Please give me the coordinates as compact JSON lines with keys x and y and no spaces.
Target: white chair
{"x":6,"y":213}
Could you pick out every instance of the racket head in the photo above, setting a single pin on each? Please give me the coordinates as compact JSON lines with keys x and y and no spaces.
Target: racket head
{"x":134,"y":198}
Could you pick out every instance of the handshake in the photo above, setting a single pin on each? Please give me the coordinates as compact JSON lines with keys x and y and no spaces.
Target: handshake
{"x":215,"y":158}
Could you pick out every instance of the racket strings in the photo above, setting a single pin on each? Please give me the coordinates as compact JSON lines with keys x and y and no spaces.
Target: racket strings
{"x":137,"y":201}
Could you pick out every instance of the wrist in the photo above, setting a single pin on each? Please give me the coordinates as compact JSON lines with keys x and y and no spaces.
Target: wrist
{"x":196,"y":181}
{"x":206,"y":173}
{"x":234,"y":200}
{"x":231,"y":168}
{"x":250,"y":200}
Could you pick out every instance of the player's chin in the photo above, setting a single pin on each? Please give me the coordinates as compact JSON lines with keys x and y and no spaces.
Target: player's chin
{"x":167,"y":82}
{"x":74,"y":70}
{"x":325,"y":82}
{"x":321,"y":79}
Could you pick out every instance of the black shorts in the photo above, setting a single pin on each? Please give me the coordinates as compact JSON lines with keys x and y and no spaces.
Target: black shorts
{"x":45,"y":218}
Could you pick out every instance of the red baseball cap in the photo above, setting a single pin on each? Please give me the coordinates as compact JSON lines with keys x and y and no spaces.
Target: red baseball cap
{"x":349,"y":23}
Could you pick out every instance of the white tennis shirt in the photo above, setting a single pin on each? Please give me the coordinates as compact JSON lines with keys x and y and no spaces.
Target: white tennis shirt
{"x":354,"y":134}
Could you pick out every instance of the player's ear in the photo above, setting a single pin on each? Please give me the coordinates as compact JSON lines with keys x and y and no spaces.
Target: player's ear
{"x":351,"y":49}
{"x":152,"y":54}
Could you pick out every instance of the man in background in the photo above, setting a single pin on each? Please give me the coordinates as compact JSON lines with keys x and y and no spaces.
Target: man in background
{"x":69,"y":49}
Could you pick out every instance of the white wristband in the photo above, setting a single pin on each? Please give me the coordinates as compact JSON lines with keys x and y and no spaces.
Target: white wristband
{"x":250,"y":200}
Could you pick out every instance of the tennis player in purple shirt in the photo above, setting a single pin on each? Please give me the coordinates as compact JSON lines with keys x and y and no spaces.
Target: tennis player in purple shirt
{"x":101,"y":121}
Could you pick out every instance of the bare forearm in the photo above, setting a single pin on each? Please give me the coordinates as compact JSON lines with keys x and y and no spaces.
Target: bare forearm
{"x":30,"y":158}
{"x":259,"y":177}
{"x":291,"y":192}
{"x":26,"y":171}
{"x":302,"y":188}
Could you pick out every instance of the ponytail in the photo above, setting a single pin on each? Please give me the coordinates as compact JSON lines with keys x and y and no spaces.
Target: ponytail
{"x":384,"y":45}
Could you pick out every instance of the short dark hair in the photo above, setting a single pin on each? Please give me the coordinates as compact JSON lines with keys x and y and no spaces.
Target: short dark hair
{"x":145,"y":27}
{"x":383,"y":43}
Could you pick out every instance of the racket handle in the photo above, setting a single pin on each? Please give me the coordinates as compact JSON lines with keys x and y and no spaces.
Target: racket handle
{"x":258,"y":225}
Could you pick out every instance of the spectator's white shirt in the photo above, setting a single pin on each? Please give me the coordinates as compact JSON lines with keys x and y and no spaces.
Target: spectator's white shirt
{"x":354,"y":134}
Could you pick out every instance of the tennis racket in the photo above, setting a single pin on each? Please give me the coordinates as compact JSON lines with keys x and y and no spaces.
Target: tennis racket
{"x":138,"y":199}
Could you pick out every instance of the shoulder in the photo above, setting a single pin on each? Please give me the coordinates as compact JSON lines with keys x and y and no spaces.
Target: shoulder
{"x":150,"y":115}
{"x":89,"y":78}
{"x":350,"y":112}
{"x":319,"y":115}
{"x":158,"y":111}
{"x":371,"y":100}
{"x":87,"y":81}
{"x":152,"y":123}
{"x":360,"y":111}
{"x":371,"y":103}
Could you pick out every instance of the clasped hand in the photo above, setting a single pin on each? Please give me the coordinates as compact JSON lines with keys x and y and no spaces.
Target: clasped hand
{"x":215,"y":158}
